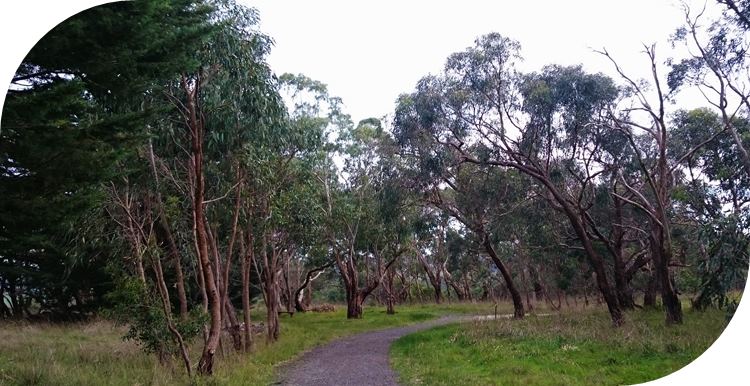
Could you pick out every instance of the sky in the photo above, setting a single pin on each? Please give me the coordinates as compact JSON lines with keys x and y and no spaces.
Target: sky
{"x":370,"y":52}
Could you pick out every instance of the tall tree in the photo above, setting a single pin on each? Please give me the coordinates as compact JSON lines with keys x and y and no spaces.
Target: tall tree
{"x":475,"y":110}
{"x":72,"y":111}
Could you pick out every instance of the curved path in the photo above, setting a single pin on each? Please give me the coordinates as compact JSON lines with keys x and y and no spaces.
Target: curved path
{"x":360,"y":360}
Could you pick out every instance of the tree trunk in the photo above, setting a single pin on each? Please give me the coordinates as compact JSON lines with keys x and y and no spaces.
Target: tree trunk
{"x":661,"y":238}
{"x":206,"y":363}
{"x":662,"y":254}
{"x":467,"y":290}
{"x":247,"y":331}
{"x":310,"y":276}
{"x":518,"y":310}
{"x":460,"y":294}
{"x":609,"y":296}
{"x":164,"y":233}
{"x":353,"y":304}
{"x":649,"y":294}
{"x":390,"y":292}
{"x":214,"y":250}
{"x":622,"y":284}
{"x":433,"y":274}
{"x":307,"y":297}
{"x":288,"y":296}
{"x":167,"y":308}
{"x":139,"y":269}
{"x":4,"y":311}
{"x":271,"y":286}
{"x":299,"y":303}
{"x":596,"y":261}
{"x":624,"y":291}
{"x":438,"y":292}
{"x":233,"y":324}
{"x":272,"y":310}
{"x":576,"y":219}
{"x":390,"y":309}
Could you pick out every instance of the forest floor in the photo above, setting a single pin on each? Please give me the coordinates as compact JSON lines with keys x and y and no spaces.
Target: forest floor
{"x":570,"y":348}
{"x":94,"y":353}
{"x":576,"y":346}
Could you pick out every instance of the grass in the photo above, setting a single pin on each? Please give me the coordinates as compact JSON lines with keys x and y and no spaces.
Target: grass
{"x":575,"y":347}
{"x":95,"y":354}
{"x":572,"y":348}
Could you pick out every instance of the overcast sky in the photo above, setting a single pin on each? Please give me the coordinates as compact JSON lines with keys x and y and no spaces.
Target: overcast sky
{"x":370,"y":52}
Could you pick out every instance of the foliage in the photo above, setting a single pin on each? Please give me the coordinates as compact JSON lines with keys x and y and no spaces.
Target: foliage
{"x":69,"y":117}
{"x":725,"y":263}
{"x":140,"y":310}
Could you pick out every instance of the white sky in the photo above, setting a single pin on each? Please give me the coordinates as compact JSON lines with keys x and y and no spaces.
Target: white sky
{"x":370,"y":52}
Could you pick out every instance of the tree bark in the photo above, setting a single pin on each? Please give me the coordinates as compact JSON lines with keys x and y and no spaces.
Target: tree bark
{"x":233,"y":324}
{"x":434,"y":277}
{"x":518,"y":309}
{"x":389,"y":293}
{"x":167,"y":308}
{"x":309,"y":277}
{"x":164,"y":233}
{"x":744,"y":156}
{"x":271,"y":289}
{"x":622,"y":284}
{"x":460,"y":292}
{"x":649,"y":295}
{"x":353,"y":304}
{"x":205,"y":365}
{"x":596,"y":261}
{"x":246,"y":258}
{"x":662,"y":253}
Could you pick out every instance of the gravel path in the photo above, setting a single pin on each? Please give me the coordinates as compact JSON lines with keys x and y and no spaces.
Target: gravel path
{"x":360,"y":360}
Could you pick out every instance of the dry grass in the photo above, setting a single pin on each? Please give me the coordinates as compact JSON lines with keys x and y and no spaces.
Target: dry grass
{"x":94,"y":353}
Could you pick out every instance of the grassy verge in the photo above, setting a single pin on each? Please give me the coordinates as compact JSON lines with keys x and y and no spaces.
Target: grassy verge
{"x":575,"y":348}
{"x":94,"y":353}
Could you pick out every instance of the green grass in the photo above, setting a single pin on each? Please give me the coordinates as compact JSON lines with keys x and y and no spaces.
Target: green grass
{"x":305,"y":331}
{"x":573,"y":348}
{"x":94,"y":353}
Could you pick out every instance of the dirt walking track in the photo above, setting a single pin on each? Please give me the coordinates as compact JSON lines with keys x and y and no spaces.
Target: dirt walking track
{"x":359,"y":360}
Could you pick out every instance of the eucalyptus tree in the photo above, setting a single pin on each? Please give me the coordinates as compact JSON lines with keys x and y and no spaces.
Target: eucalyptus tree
{"x":366,"y":228}
{"x":285,"y":212}
{"x":712,"y":202}
{"x":460,"y":263}
{"x":717,"y":65}
{"x":226,"y":102}
{"x":643,"y":120}
{"x":482,"y":111}
{"x":481,"y":199}
{"x":391,"y":231}
{"x":303,"y":147}
{"x":282,"y":212}
{"x":430,"y":250}
{"x":303,"y":293}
